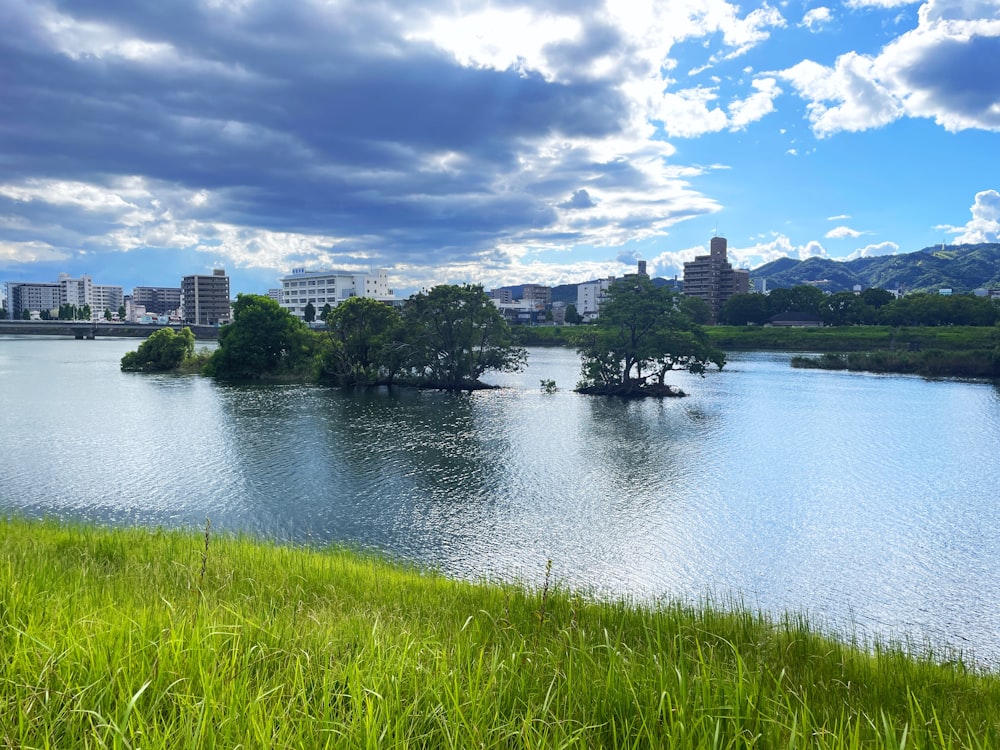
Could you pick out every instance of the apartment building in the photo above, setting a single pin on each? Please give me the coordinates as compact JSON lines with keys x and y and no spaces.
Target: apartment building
{"x":205,"y":299}
{"x":712,"y":277}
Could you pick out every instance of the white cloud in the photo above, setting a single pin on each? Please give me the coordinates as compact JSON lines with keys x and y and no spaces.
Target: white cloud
{"x":755,"y":106}
{"x":839,"y":233}
{"x":816,"y":18}
{"x":940,"y":70}
{"x":838,"y":217}
{"x":873,"y":251}
{"x":780,"y":246}
{"x":845,"y":97}
{"x":31,"y":252}
{"x":879,"y":3}
{"x":984,"y":226}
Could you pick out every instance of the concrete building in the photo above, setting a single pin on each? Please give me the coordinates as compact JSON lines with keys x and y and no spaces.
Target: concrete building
{"x":33,"y":297}
{"x":537,"y":293}
{"x":160,"y":300}
{"x":590,"y":297}
{"x":324,"y":287}
{"x":49,"y":297}
{"x":712,"y":277}
{"x":205,"y":299}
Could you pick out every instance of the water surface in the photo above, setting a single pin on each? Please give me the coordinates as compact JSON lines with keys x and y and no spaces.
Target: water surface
{"x":867,"y":502}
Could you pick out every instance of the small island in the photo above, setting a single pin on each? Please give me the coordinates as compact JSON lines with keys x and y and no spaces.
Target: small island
{"x":446,"y":338}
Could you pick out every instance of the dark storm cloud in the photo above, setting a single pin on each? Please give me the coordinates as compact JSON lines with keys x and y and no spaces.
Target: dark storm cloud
{"x":296,"y":120}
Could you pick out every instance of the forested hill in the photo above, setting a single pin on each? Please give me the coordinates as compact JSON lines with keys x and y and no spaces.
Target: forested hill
{"x":961,"y":268}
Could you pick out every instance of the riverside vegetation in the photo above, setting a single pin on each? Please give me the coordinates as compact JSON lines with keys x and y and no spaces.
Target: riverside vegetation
{"x":130,"y":638}
{"x":445,"y":338}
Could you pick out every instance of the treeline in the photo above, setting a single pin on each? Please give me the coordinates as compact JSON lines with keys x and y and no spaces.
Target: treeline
{"x":445,"y":338}
{"x":870,"y":307}
{"x":979,"y":363}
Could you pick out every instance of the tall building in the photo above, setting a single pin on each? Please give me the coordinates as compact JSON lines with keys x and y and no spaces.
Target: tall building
{"x":205,"y":299}
{"x":158,"y":300}
{"x":33,"y":297}
{"x":590,"y":297}
{"x":325,"y":287}
{"x":712,"y":277}
{"x":537,"y":293}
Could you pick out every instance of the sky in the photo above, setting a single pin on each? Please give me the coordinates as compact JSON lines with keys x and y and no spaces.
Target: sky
{"x":492,"y":142}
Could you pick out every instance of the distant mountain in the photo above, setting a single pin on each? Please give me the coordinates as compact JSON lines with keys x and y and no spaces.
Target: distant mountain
{"x":962,"y":268}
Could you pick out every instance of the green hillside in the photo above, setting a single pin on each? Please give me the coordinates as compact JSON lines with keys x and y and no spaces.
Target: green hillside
{"x":962,"y":268}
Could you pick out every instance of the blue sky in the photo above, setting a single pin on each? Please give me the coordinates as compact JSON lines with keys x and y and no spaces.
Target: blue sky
{"x":488,"y":141}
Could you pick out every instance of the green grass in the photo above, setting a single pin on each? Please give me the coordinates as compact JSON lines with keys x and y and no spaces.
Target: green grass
{"x":129,"y":638}
{"x":852,"y":338}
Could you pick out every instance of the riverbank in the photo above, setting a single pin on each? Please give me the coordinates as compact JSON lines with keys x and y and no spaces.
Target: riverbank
{"x":127,"y":637}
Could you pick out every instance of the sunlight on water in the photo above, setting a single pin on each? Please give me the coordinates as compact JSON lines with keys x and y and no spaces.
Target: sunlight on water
{"x":868,"y":502}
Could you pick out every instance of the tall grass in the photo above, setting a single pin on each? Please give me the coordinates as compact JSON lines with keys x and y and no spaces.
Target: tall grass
{"x":128,"y":638}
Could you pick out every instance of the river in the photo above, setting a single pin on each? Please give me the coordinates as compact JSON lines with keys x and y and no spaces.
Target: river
{"x":867,"y":503}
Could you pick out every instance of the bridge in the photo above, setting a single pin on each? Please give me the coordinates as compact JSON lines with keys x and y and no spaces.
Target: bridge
{"x":83,"y":329}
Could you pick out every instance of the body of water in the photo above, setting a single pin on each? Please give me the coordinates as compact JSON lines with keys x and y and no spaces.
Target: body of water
{"x":868,"y":503}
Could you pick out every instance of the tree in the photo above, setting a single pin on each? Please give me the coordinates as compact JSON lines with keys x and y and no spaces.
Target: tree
{"x":45,"y":315}
{"x":25,"y":314}
{"x":697,"y":309}
{"x":642,"y":334}
{"x":83,"y":313}
{"x":309,"y":313}
{"x":264,"y":340}
{"x":801,"y":298}
{"x":745,"y":309}
{"x":363,"y":342}
{"x":121,"y":312}
{"x":163,"y":350}
{"x":572,"y":316}
{"x":454,"y":334}
{"x":325,"y":312}
{"x":107,"y":313}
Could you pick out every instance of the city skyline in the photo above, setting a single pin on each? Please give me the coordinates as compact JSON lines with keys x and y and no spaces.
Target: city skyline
{"x":493,"y":143}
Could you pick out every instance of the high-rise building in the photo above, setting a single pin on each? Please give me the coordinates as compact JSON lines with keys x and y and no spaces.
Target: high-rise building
{"x":323,"y":287}
{"x":205,"y":299}
{"x":537,"y":293}
{"x":712,"y":277}
{"x":158,"y":300}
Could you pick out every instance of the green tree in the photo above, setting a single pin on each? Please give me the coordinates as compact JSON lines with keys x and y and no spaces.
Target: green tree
{"x":697,"y":309}
{"x":121,"y":312}
{"x":801,"y":298}
{"x":572,"y":316}
{"x":325,"y":312}
{"x":163,"y":350}
{"x":45,"y":315}
{"x":745,"y":309}
{"x":83,"y":312}
{"x":876,"y":298}
{"x":454,"y":334}
{"x":107,"y":314}
{"x":264,"y":340}
{"x":309,"y":313}
{"x":25,"y":314}
{"x":642,"y":334}
{"x":364,"y":348}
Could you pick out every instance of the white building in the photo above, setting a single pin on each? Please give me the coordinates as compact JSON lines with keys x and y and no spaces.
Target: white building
{"x":326,"y":287}
{"x":590,"y":297}
{"x":49,"y":297}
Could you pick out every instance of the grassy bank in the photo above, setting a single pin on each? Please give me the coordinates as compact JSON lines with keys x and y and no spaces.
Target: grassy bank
{"x":153,"y":639}
{"x":853,"y":338}
{"x":931,"y":363}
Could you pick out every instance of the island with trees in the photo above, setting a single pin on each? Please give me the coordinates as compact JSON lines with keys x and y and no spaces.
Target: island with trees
{"x":445,"y":338}
{"x":643,"y":333}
